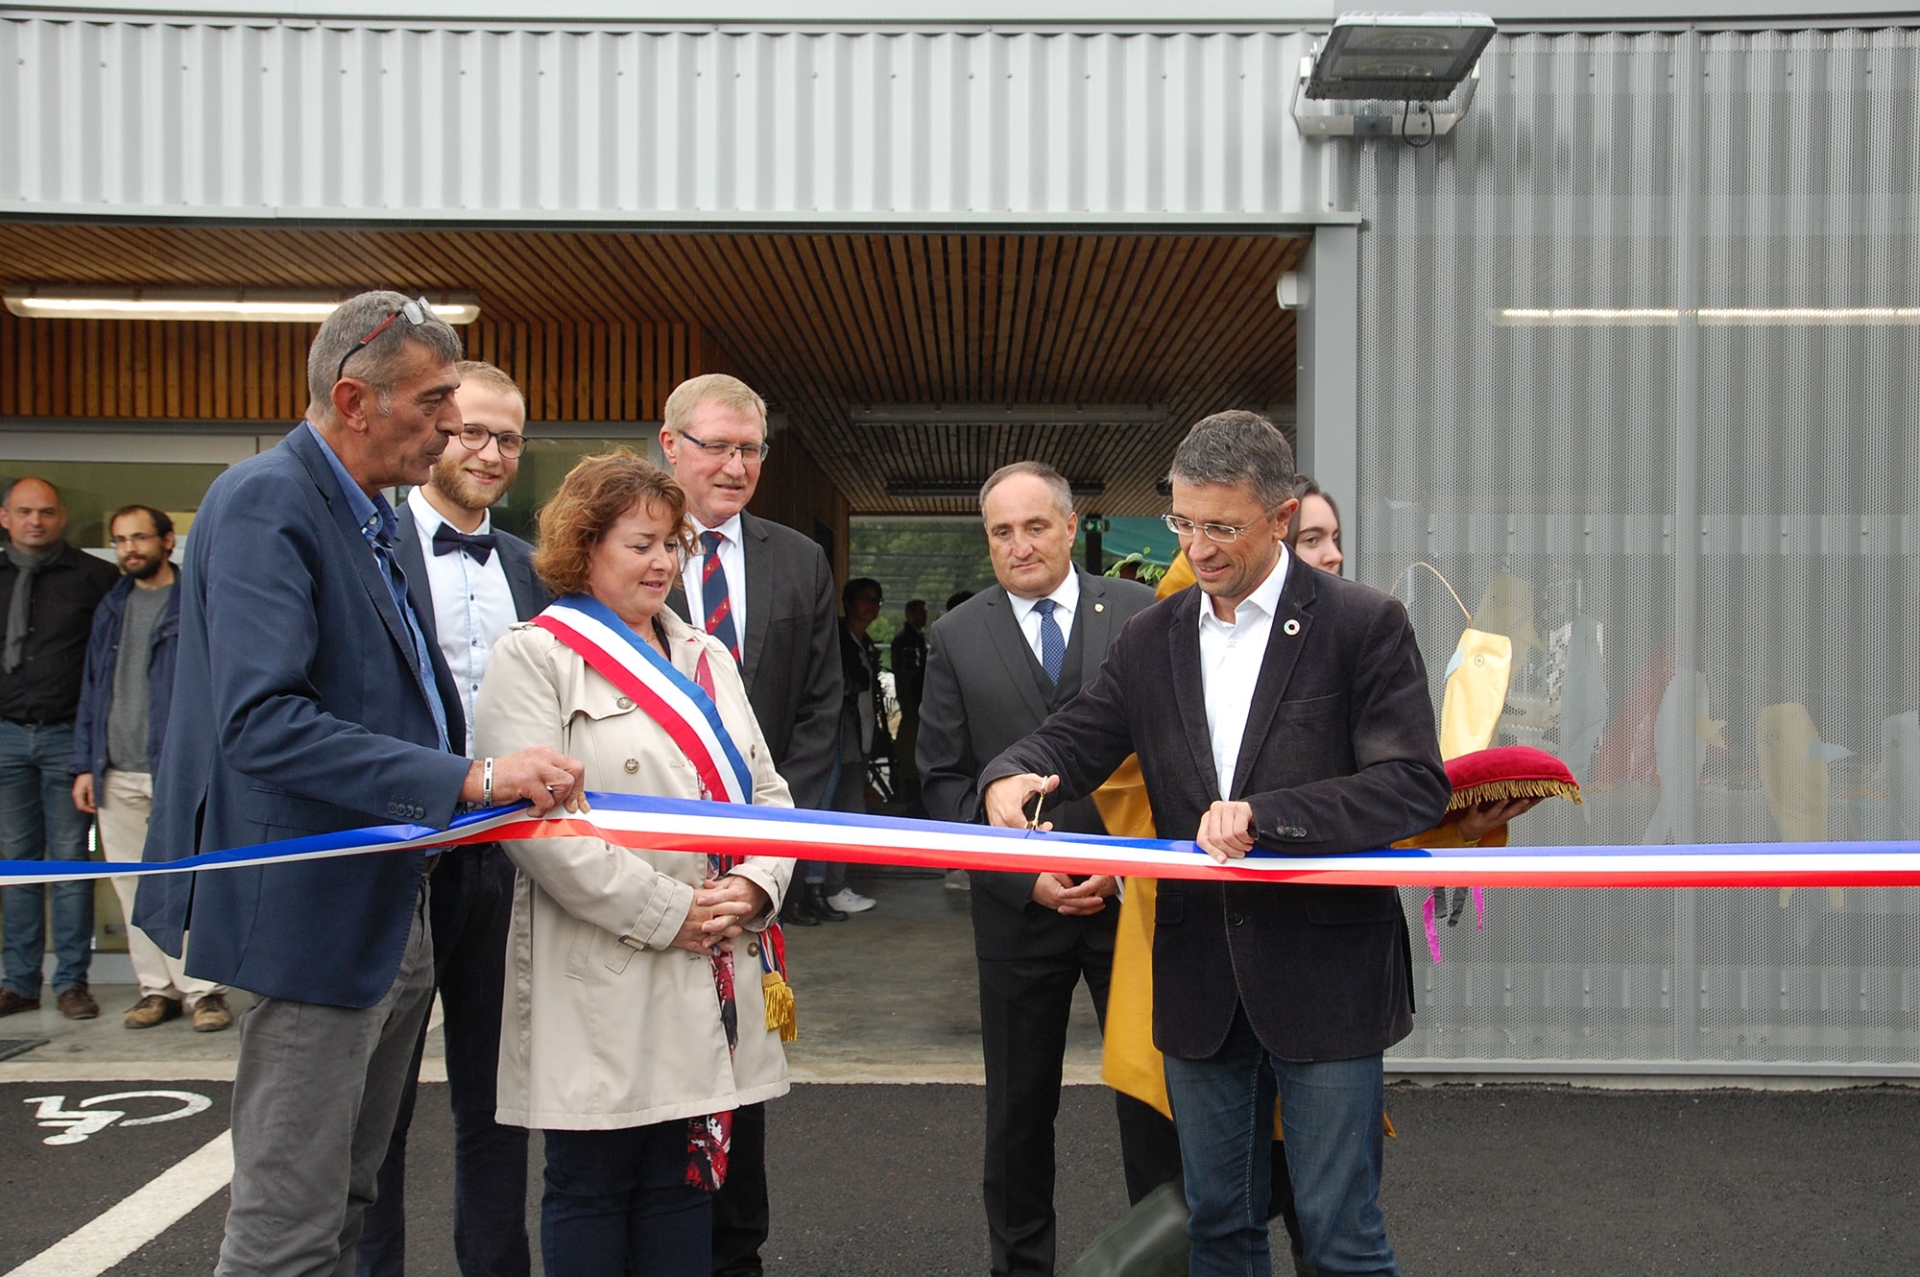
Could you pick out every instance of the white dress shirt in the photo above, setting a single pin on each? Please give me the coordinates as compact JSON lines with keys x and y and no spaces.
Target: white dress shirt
{"x":1066,"y":598}
{"x":1230,"y":658}
{"x":472,"y":604}
{"x":733,"y":561}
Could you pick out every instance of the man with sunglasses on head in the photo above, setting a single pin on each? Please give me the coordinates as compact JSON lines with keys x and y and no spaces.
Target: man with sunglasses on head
{"x":308,"y":700}
{"x":1273,"y":706}
{"x":469,"y":582}
{"x":767,"y":592}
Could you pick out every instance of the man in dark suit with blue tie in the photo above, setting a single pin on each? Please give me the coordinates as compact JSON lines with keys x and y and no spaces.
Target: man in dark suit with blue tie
{"x":307,"y":700}
{"x":469,"y":582}
{"x":996,"y":667}
{"x":1277,"y":706}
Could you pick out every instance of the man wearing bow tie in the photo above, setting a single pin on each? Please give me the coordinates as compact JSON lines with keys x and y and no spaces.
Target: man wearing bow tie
{"x":469,"y":583}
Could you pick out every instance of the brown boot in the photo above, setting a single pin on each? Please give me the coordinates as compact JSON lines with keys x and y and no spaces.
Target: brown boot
{"x":76,"y":1003}
{"x":210,"y":1014}
{"x":12,"y":1003}
{"x":153,"y":1009}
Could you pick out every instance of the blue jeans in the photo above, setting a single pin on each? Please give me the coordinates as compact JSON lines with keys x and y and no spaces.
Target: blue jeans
{"x":37,"y":817}
{"x":1223,"y":1106}
{"x":617,"y":1204}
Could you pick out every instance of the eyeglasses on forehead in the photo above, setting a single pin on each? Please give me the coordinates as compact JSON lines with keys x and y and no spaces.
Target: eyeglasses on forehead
{"x":414,"y":312}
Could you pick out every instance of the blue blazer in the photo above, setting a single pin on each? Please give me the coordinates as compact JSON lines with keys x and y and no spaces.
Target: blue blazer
{"x":297,"y":709}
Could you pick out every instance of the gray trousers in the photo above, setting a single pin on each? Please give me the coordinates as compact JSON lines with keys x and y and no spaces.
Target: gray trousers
{"x":314,"y":1100}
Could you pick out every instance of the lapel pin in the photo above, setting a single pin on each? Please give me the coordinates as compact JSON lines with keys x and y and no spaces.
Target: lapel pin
{"x":1099,"y":607}
{"x":1291,"y":628}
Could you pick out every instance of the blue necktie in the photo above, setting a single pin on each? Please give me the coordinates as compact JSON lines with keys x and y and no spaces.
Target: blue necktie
{"x":1053,"y":644}
{"x":714,"y":598}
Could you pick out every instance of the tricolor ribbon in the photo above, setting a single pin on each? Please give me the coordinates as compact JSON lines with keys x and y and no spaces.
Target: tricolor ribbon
{"x":704,"y":828}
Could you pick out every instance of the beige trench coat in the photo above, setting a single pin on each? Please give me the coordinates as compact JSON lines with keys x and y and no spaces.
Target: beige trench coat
{"x":605,"y":1026}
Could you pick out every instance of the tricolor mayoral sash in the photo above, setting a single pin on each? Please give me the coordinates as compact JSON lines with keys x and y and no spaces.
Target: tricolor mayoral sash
{"x":685,"y":709}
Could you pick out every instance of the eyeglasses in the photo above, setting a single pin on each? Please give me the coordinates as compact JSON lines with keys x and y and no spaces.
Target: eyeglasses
{"x":1224,"y":533}
{"x":133,"y":538}
{"x":415,"y":312}
{"x":750,"y":453}
{"x":474,"y":439}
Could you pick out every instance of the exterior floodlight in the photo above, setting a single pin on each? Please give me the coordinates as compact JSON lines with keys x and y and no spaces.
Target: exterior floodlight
{"x":1420,"y":57}
{"x":239,"y":305}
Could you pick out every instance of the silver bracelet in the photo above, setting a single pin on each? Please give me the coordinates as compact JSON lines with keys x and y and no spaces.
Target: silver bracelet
{"x":486,"y":783}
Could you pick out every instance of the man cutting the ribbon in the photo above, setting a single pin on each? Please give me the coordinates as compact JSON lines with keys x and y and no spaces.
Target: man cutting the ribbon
{"x":307,"y":700}
{"x":1287,"y":709}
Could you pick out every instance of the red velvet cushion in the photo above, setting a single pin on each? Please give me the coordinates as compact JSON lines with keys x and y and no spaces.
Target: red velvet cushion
{"x":1509,"y":771}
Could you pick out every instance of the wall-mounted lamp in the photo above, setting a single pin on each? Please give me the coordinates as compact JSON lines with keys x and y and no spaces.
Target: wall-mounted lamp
{"x":238,"y":305}
{"x":1393,"y":60}
{"x":1291,"y":291}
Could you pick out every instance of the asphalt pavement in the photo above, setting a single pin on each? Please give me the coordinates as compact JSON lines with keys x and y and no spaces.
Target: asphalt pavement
{"x":872,"y":1180}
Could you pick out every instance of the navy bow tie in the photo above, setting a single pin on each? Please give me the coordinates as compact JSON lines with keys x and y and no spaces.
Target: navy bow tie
{"x":448,"y":539}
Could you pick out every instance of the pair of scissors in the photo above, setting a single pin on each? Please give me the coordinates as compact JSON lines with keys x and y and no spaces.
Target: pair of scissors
{"x":1033,"y":821}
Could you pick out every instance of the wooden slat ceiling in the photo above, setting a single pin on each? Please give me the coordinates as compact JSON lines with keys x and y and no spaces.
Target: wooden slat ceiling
{"x":823,"y":324}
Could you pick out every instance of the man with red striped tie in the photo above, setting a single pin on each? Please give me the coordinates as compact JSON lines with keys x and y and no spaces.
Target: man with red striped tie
{"x":766,"y":592}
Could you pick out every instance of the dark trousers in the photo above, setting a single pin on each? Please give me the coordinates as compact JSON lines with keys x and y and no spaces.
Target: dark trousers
{"x":740,"y":1215}
{"x":471,"y":906}
{"x":617,"y":1204}
{"x":1024,"y":1008}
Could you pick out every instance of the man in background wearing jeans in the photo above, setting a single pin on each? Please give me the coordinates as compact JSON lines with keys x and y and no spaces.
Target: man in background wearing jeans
{"x":50,"y":590}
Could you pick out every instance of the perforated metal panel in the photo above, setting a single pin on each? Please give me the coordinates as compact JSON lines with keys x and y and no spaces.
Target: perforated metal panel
{"x":1697,"y":512}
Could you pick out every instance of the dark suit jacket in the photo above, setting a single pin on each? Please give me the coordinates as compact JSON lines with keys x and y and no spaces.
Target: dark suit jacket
{"x":984,"y":691}
{"x":297,"y":709}
{"x":530,"y":593}
{"x":1340,"y":755}
{"x":790,"y":654}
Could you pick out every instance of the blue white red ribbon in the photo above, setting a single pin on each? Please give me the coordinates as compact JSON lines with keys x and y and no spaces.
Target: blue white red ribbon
{"x":738,"y":830}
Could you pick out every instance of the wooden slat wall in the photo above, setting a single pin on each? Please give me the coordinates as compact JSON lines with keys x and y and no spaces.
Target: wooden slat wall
{"x":257,"y":372}
{"x":600,"y":324}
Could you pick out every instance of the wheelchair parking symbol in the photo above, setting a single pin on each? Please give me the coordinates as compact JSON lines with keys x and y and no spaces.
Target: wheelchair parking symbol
{"x":87,"y":1118}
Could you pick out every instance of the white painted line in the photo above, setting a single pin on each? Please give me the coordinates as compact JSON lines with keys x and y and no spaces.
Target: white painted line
{"x":152,"y":1209}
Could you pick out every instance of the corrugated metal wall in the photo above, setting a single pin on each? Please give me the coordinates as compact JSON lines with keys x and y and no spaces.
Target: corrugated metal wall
{"x":1701,"y":532}
{"x":515,"y":122}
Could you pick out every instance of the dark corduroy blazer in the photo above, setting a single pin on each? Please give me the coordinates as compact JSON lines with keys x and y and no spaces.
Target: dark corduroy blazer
{"x":1340,"y":755}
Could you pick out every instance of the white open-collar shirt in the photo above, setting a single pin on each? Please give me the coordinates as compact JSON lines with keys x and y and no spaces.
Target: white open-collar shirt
{"x":472,"y":603}
{"x":733,"y":561}
{"x":1066,"y":600}
{"x":1230,"y":658}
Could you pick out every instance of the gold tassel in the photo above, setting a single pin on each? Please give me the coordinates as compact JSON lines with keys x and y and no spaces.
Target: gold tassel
{"x":780,"y":1012}
{"x":1502,"y":790}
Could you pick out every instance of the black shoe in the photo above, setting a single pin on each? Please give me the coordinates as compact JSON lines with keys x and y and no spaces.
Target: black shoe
{"x":793,"y":910}
{"x":814,"y":899}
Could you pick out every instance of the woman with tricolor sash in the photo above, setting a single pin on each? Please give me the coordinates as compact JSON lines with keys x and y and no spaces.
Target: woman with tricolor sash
{"x":646,"y":997}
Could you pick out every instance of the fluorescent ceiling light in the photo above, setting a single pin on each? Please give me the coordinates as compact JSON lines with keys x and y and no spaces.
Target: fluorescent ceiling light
{"x":1006,"y":414}
{"x":949,"y":488}
{"x":51,"y":301}
{"x":1713,"y":317}
{"x":1422,"y":57}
